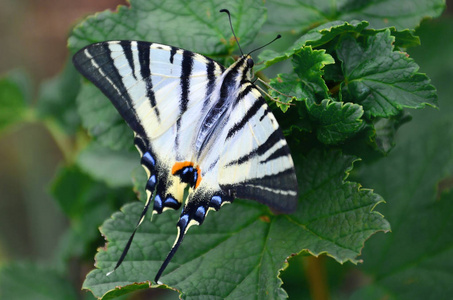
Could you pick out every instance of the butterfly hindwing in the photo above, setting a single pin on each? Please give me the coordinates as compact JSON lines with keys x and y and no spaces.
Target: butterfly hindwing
{"x":256,"y":162}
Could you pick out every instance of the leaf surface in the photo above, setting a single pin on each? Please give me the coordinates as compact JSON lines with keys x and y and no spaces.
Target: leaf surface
{"x":19,"y":281}
{"x":14,"y":98}
{"x":57,"y":99}
{"x":238,"y":251}
{"x":336,"y":121}
{"x":383,"y":81}
{"x":205,"y":29}
{"x":302,"y":15}
{"x":113,"y":167}
{"x":415,"y":260}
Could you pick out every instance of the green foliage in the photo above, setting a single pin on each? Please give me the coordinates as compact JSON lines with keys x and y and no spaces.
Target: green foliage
{"x":416,"y":178}
{"x":101,"y":119}
{"x":266,"y":239}
{"x":302,"y":15}
{"x":383,"y":81}
{"x":343,"y":97}
{"x":204,"y":30}
{"x":14,"y":97}
{"x":56,"y":100}
{"x":41,"y":283}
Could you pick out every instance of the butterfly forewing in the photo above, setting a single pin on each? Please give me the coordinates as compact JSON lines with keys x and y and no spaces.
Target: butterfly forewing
{"x":197,"y":126}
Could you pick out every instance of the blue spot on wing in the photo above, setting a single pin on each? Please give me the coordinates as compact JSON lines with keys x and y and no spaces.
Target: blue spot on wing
{"x":216,"y":202}
{"x":148,"y":159}
{"x":172,"y":203}
{"x":151,"y":184}
{"x":200,"y":214}
{"x":158,"y":203}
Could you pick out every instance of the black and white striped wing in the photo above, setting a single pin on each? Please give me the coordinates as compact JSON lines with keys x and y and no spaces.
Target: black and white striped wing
{"x":159,"y":90}
{"x":147,"y":82}
{"x":196,"y":125}
{"x":255,"y":161}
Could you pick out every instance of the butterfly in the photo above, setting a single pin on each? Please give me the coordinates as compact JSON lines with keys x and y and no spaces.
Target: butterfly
{"x":198,"y":126}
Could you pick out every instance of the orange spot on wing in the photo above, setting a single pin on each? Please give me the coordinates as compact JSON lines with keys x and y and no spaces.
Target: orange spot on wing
{"x":198,"y":177}
{"x":179,"y":165}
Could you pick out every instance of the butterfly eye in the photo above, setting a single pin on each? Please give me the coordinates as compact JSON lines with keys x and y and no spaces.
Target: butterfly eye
{"x":250,"y":63}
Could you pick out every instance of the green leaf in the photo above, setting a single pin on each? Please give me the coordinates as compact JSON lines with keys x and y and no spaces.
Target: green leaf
{"x":415,"y":261}
{"x":315,"y":37}
{"x":385,"y":131}
{"x":14,"y":98}
{"x":57,"y":98}
{"x":403,"y":38}
{"x":401,"y":14}
{"x":194,"y":25}
{"x":302,"y":15}
{"x":27,"y":281}
{"x":336,"y":121}
{"x":102,"y":120}
{"x":334,"y":217}
{"x":309,"y":84}
{"x":308,"y":65}
{"x":417,"y":258}
{"x":383,"y":81}
{"x":87,"y":203}
{"x":114,"y":167}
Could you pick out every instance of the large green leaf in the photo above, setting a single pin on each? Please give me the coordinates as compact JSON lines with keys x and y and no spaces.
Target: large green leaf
{"x":101,"y":119}
{"x":113,"y":167}
{"x":383,"y":81}
{"x":335,"y":121}
{"x":302,"y":15}
{"x":415,"y":260}
{"x":309,"y":85}
{"x":315,"y":37}
{"x":238,"y":251}
{"x":194,"y":25}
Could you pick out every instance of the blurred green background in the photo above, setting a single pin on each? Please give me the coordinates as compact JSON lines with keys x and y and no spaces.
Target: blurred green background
{"x":33,"y":37}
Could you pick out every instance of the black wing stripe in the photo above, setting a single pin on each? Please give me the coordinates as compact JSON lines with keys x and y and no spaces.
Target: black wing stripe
{"x":102,"y":72}
{"x":172,"y":53}
{"x":278,"y":190}
{"x":244,"y":93}
{"x":210,"y":69}
{"x":250,"y":113}
{"x":280,"y":152}
{"x":145,"y":70}
{"x":274,"y":138}
{"x":186,"y":71}
{"x":128,"y":53}
{"x":266,"y":112}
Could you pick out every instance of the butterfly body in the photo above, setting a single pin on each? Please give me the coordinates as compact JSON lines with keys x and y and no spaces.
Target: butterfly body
{"x":197,"y":125}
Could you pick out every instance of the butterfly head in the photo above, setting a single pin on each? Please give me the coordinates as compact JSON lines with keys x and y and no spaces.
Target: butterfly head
{"x":247,"y":65}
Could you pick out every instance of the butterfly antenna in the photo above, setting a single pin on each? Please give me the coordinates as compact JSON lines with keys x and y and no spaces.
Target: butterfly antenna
{"x":276,"y":38}
{"x":232,"y":30}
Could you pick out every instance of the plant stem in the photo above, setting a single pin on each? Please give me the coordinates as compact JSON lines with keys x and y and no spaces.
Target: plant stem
{"x":315,"y":272}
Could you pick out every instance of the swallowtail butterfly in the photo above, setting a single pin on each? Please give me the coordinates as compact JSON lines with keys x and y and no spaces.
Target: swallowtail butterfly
{"x":198,"y":126}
